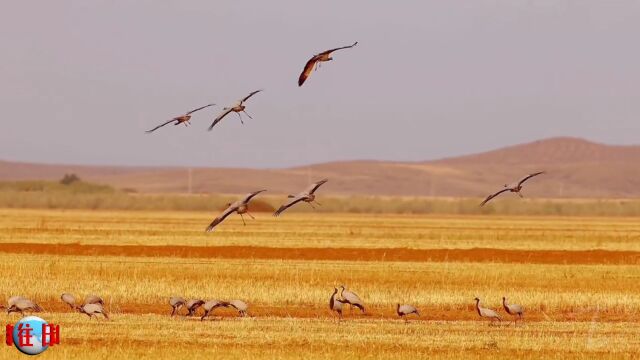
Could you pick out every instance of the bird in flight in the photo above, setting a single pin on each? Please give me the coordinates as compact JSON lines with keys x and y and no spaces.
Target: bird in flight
{"x":515,"y":188}
{"x":314,"y":62}
{"x":240,"y":207}
{"x":179,"y":119}
{"x":236,"y":108}
{"x":308,"y":196}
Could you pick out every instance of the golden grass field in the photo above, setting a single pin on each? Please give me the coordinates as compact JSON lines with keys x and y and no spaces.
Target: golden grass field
{"x":579,"y":303}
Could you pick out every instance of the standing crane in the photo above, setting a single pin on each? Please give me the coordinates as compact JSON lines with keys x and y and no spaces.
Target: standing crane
{"x":513,"y":309}
{"x":405,"y":310}
{"x":351,"y":298}
{"x":486,"y":312}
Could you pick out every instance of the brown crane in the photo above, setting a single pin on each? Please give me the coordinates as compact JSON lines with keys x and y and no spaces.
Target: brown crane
{"x":335,"y":304}
{"x":22,"y":305}
{"x":211,"y":305}
{"x":308,"y":196}
{"x":316,"y":60}
{"x":514,"y":188}
{"x":239,"y":305}
{"x":486,"y":312}
{"x":513,"y":309}
{"x":237,"y":108}
{"x":176,"y":303}
{"x":182,"y":119}
{"x":193,"y":305}
{"x":405,"y":310}
{"x":69,"y":300}
{"x":92,"y":309}
{"x":351,"y":298}
{"x":240,"y":207}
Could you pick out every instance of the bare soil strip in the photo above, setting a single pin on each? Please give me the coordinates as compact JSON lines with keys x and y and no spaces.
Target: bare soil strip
{"x":347,"y":254}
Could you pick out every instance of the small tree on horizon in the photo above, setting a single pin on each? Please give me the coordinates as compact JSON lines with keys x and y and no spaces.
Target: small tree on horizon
{"x":69,"y":179}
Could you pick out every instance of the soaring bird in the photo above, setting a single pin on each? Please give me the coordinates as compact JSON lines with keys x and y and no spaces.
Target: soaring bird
{"x":182,"y":119}
{"x":513,"y":309}
{"x":349,"y":297}
{"x":307,"y":196}
{"x":314,"y":62}
{"x":92,"y":309}
{"x":240,"y":207}
{"x":193,"y":305}
{"x":176,"y":303}
{"x":210,"y":305}
{"x":239,"y":305}
{"x":515,"y":187}
{"x":404,"y":310}
{"x":335,"y":304}
{"x":486,"y":313}
{"x":237,"y":108}
{"x":21,"y":305}
{"x":69,"y":300}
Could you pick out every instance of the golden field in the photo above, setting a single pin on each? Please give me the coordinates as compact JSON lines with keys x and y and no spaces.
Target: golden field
{"x":578,"y":304}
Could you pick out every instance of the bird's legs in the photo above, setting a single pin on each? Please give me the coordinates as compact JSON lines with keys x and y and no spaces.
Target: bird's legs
{"x":250,"y":215}
{"x":247,"y":114}
{"x":310,"y":204}
{"x":520,"y":194}
{"x":173,"y":312}
{"x":317,"y":203}
{"x":242,"y":217}
{"x":242,"y":122}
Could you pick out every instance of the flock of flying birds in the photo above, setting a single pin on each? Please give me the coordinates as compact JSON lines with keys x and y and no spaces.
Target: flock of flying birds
{"x":241,"y":206}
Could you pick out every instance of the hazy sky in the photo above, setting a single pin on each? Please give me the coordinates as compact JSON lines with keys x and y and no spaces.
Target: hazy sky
{"x":80,"y":81}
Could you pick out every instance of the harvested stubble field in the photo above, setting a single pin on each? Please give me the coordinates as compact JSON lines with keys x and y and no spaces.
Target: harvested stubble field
{"x":580,"y":303}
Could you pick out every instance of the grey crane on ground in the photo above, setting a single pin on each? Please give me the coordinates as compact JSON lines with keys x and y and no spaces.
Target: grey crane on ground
{"x":22,"y":305}
{"x":12,"y":300}
{"x":513,"y":309}
{"x":237,"y":108}
{"x":486,"y":312}
{"x":210,"y":305}
{"x":335,"y":304}
{"x":182,"y":119}
{"x":316,"y":60}
{"x":93,"y":309}
{"x":351,"y":298}
{"x":514,"y":188}
{"x":308,"y":196}
{"x":240,"y":207}
{"x":193,"y":305}
{"x":239,"y":305}
{"x":405,"y":310}
{"x":176,"y":303}
{"x":93,"y":299}
{"x":69,"y":300}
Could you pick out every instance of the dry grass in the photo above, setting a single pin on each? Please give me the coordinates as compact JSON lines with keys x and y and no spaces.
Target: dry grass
{"x":572,"y":310}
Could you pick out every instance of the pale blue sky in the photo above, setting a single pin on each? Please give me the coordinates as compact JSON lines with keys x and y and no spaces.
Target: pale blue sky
{"x":82,"y":80}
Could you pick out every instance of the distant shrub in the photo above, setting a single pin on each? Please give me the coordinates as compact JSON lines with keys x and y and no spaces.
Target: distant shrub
{"x":69,"y":179}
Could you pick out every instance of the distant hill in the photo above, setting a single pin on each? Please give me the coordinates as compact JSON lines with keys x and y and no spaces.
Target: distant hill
{"x":575,"y":168}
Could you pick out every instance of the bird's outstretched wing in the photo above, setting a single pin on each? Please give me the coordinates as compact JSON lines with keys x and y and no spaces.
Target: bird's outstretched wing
{"x":493,"y":195}
{"x":220,"y":117}
{"x":339,"y":48}
{"x":313,"y":187}
{"x":161,"y":125}
{"x":200,"y":108}
{"x":284,"y":207}
{"x":251,"y":195}
{"x":221,"y":218}
{"x":308,"y":69}
{"x":250,"y":95}
{"x":529,"y":177}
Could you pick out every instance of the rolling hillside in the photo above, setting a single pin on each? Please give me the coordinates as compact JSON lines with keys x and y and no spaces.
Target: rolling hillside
{"x":576,"y":168}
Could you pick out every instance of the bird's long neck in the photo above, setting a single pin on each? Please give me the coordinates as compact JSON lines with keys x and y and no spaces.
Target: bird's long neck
{"x":478,"y":307}
{"x":398,"y":308}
